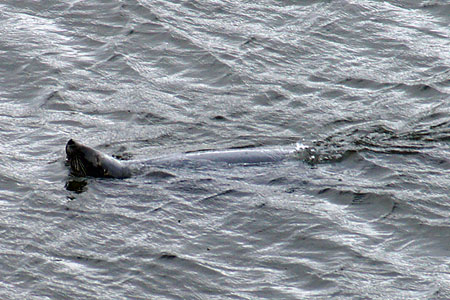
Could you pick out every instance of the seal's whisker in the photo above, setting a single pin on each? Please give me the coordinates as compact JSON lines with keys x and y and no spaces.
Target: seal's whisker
{"x":73,"y":164}
{"x":82,"y":167}
{"x":78,"y":166}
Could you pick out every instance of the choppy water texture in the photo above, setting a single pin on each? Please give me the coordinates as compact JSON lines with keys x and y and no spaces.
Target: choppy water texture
{"x":364,"y":85}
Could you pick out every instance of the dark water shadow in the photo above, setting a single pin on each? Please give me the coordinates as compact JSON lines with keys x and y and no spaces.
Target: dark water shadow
{"x":76,"y":185}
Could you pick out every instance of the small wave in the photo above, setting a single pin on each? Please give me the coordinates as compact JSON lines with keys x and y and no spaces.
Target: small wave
{"x":367,"y":205}
{"x":422,"y":134}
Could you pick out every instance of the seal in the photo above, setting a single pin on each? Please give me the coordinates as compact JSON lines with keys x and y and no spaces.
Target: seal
{"x":85,"y":161}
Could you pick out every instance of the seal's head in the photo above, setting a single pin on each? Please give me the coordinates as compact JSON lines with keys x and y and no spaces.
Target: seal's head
{"x":85,"y":161}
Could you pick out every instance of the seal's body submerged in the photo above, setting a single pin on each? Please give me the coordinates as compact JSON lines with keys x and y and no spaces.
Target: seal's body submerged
{"x":85,"y":161}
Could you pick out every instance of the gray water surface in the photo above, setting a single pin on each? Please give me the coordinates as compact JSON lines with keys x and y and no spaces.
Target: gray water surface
{"x":364,"y":86}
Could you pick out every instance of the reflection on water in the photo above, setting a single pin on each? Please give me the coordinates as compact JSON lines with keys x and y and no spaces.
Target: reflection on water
{"x":76,"y":185}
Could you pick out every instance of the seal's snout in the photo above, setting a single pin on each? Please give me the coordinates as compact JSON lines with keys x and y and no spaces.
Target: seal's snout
{"x":70,"y":146}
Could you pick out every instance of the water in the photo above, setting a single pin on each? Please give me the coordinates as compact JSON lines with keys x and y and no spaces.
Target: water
{"x":363,"y":85}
